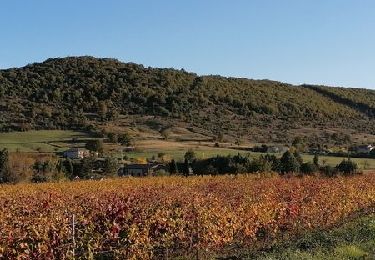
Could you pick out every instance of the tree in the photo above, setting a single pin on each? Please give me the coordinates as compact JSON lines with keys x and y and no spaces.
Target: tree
{"x":110,"y":166}
{"x":190,"y":156}
{"x":87,"y":167}
{"x":95,"y":145}
{"x":69,"y":169}
{"x":261,"y":164}
{"x":4,"y":166}
{"x":316,"y":160}
{"x":328,"y":171}
{"x":125,"y":139}
{"x":308,"y":168}
{"x":173,"y":169}
{"x":289,"y":163}
{"x":43,"y":171}
{"x":186,"y":167}
{"x":347,"y":167}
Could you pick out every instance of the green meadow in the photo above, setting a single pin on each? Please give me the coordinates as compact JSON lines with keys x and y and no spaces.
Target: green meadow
{"x":60,"y":140}
{"x":41,"y":141}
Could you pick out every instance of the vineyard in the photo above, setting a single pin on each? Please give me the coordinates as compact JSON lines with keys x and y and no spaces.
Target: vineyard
{"x":165,"y":217}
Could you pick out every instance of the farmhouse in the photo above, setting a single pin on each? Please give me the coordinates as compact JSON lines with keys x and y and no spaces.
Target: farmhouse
{"x":277,"y":149}
{"x":76,"y":153}
{"x":140,"y":169}
{"x":364,"y":148}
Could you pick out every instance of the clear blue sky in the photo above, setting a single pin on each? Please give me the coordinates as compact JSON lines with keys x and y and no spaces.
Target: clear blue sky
{"x":328,"y":42}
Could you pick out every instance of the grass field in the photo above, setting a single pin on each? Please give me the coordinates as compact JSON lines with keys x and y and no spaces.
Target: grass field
{"x":43,"y":140}
{"x":59,"y":140}
{"x":363,"y":163}
{"x":352,"y":240}
{"x":178,"y":154}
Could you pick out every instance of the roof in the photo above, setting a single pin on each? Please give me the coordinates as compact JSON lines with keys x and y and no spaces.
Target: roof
{"x":75,"y":149}
{"x":366,"y":146}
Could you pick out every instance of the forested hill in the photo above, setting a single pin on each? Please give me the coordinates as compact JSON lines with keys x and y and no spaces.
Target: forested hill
{"x":75,"y":92}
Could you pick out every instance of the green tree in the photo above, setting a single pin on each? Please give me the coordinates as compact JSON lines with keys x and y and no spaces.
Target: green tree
{"x":87,"y":166}
{"x":289,"y":163}
{"x":125,"y":139}
{"x":328,"y":171}
{"x":261,"y":164}
{"x":186,"y":167}
{"x":173,"y":169}
{"x":308,"y":168}
{"x":190,"y":156}
{"x":95,"y":145}
{"x":43,"y":171}
{"x":316,"y":160}
{"x":5,"y":175}
{"x":347,"y":167}
{"x":69,"y":168}
{"x":110,"y":166}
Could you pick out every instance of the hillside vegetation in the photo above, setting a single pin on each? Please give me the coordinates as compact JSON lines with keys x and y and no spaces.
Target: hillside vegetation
{"x":85,"y":92}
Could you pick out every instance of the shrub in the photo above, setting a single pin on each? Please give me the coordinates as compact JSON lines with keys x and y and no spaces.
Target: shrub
{"x":328,"y":171}
{"x":260,"y":164}
{"x":289,"y":163}
{"x":95,"y":145}
{"x":347,"y":167}
{"x":308,"y":168}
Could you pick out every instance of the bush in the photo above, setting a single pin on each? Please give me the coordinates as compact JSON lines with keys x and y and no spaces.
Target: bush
{"x":95,"y":145}
{"x":110,"y":166}
{"x":161,"y":172}
{"x":190,"y":156}
{"x":308,"y":168}
{"x":289,"y":163}
{"x":328,"y":171}
{"x":260,"y":164}
{"x":347,"y":167}
{"x":125,"y":139}
{"x":39,"y":178}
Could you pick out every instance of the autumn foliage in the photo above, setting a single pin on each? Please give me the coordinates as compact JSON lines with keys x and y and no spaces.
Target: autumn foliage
{"x":144,"y":218}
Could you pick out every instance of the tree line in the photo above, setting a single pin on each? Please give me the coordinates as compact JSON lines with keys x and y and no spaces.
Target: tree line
{"x":22,"y":168}
{"x":288,"y":163}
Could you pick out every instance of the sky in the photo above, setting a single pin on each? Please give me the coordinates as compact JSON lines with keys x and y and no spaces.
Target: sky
{"x":330,"y":42}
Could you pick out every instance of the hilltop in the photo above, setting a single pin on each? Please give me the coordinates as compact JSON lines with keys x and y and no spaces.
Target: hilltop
{"x":89,"y":93}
